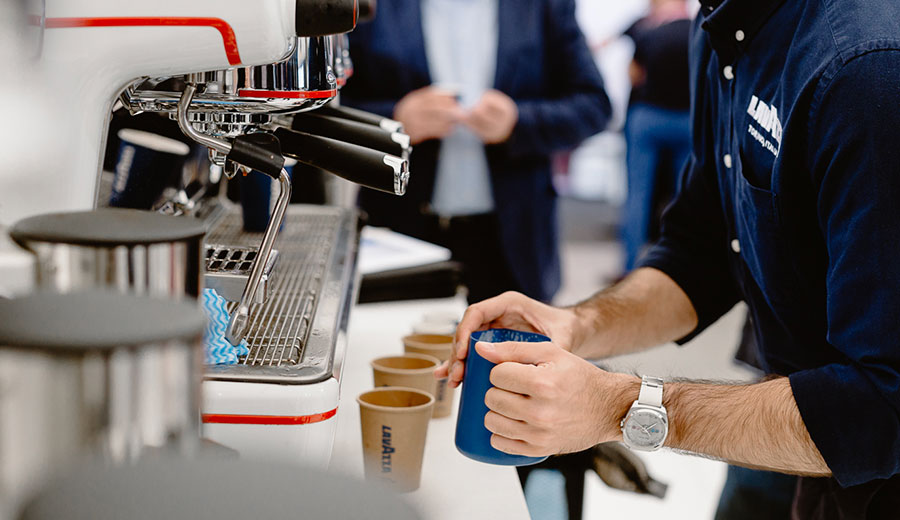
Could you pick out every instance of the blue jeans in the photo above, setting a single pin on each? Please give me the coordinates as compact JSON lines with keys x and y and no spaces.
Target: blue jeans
{"x":658,"y":143}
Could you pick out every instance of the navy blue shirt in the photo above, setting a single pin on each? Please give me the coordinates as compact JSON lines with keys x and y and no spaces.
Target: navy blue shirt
{"x":791,"y":202}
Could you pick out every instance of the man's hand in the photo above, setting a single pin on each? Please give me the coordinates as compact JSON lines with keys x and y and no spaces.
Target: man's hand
{"x":493,"y":117}
{"x":428,"y":113}
{"x":510,"y":310}
{"x":547,"y":401}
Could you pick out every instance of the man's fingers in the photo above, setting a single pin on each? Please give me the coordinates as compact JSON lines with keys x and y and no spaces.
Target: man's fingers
{"x":505,"y":427}
{"x":517,"y":352}
{"x":508,"y":404}
{"x":457,"y":370}
{"x":479,"y":120}
{"x":514,"y":377}
{"x":443,"y":370}
{"x":477,"y":317}
{"x":515,"y":446}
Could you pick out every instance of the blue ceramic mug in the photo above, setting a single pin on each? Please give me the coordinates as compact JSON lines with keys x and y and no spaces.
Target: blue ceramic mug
{"x":472,"y":439}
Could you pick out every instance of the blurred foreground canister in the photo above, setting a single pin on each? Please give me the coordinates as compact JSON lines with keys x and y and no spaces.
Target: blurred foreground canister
{"x":122,"y":249}
{"x":94,"y":374}
{"x":212,"y":490}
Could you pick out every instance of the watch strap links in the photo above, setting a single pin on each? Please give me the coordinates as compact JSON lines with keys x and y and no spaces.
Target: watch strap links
{"x":651,"y":391}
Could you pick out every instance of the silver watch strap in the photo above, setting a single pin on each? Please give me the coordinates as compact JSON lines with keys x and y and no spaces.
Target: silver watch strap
{"x":651,"y":391}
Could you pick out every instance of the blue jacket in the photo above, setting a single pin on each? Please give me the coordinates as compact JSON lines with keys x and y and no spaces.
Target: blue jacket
{"x":544,"y":64}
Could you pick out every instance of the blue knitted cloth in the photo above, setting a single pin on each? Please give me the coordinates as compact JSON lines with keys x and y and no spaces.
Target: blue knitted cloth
{"x":218,"y":350}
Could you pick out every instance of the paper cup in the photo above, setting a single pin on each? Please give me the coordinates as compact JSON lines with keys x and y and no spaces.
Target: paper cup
{"x":409,"y":370}
{"x":437,"y":322}
{"x":441,"y":347}
{"x":394,"y":424}
{"x":434,"y":328}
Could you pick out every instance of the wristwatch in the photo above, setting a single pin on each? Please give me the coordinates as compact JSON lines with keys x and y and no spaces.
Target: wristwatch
{"x":646,"y":424}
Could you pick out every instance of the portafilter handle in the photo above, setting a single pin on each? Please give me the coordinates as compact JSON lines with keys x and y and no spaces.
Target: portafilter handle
{"x":261,"y":152}
{"x":240,"y":318}
{"x":361,"y":116}
{"x":366,"y":10}
{"x":324,"y":17}
{"x":363,"y":166}
{"x":369,"y":136}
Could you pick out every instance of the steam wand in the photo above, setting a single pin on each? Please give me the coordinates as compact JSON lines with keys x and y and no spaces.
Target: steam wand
{"x":260,"y":152}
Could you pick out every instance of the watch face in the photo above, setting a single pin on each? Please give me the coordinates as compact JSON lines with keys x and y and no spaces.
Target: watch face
{"x":645,"y":428}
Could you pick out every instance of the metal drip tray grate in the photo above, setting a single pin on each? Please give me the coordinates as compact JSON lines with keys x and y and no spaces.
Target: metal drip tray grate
{"x":291,"y":335}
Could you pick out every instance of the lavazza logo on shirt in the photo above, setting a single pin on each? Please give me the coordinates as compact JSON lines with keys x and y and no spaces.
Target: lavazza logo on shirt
{"x":766,"y":116}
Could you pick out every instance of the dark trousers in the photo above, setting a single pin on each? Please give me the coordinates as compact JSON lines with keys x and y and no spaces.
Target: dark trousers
{"x":474,"y":242}
{"x":751,"y":494}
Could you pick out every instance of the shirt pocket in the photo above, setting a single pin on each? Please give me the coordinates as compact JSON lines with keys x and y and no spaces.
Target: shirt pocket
{"x":763,"y":246}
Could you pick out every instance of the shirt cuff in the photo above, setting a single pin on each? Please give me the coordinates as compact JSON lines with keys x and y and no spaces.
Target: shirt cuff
{"x":855,"y":429}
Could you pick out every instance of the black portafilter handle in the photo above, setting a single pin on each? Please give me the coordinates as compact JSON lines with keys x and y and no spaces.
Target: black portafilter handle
{"x":363,"y":166}
{"x":323,"y":17}
{"x":354,"y":132}
{"x":366,"y":10}
{"x":260,"y":151}
{"x":360,"y":116}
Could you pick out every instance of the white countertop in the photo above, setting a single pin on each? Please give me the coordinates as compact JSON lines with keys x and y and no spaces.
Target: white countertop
{"x":453,"y":486}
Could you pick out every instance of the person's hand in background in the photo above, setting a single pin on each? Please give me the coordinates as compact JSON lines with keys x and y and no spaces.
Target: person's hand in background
{"x":493,"y":118}
{"x":428,"y":113}
{"x":510,"y":310}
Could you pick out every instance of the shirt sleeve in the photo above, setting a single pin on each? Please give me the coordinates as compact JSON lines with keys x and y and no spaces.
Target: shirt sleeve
{"x":693,"y":245}
{"x":578,"y":109}
{"x":852,"y":409}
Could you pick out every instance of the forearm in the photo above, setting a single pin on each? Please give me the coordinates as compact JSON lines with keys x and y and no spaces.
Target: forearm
{"x":645,"y":309}
{"x":755,"y":425}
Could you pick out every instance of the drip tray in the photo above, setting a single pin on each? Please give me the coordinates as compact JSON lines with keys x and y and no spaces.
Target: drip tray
{"x":292,"y":335}
{"x":228,"y":270}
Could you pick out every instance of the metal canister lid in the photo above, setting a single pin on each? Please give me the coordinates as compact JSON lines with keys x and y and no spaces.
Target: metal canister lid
{"x":213,"y":490}
{"x":106,"y":227}
{"x":90,"y":321}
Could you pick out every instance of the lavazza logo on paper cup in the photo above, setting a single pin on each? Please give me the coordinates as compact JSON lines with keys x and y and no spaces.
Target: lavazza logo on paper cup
{"x":386,"y":450}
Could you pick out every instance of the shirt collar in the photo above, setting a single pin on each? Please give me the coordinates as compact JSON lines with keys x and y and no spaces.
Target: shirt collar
{"x":732,"y":24}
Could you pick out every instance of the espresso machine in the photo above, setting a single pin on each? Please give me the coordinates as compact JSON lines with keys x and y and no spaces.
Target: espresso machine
{"x":236,"y":76}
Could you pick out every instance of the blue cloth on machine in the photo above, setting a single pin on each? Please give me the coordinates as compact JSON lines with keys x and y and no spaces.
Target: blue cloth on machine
{"x":218,"y":351}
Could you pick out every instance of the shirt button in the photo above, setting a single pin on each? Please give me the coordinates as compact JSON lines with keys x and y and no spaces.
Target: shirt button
{"x":728,"y":72}
{"x":739,"y":35}
{"x":727,"y":160}
{"x":736,"y":246}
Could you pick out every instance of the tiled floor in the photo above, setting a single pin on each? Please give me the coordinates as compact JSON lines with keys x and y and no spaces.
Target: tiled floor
{"x":590,"y":258}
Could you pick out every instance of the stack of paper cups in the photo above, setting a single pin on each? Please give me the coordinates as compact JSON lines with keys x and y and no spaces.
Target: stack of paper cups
{"x":441,"y":347}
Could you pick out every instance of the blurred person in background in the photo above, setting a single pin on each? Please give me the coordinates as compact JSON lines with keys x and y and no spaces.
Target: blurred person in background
{"x":488,"y":91}
{"x":657,"y":125}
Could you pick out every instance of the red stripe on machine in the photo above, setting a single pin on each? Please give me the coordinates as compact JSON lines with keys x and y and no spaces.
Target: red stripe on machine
{"x":282,"y":420}
{"x":228,"y":38}
{"x":287,"y":94}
